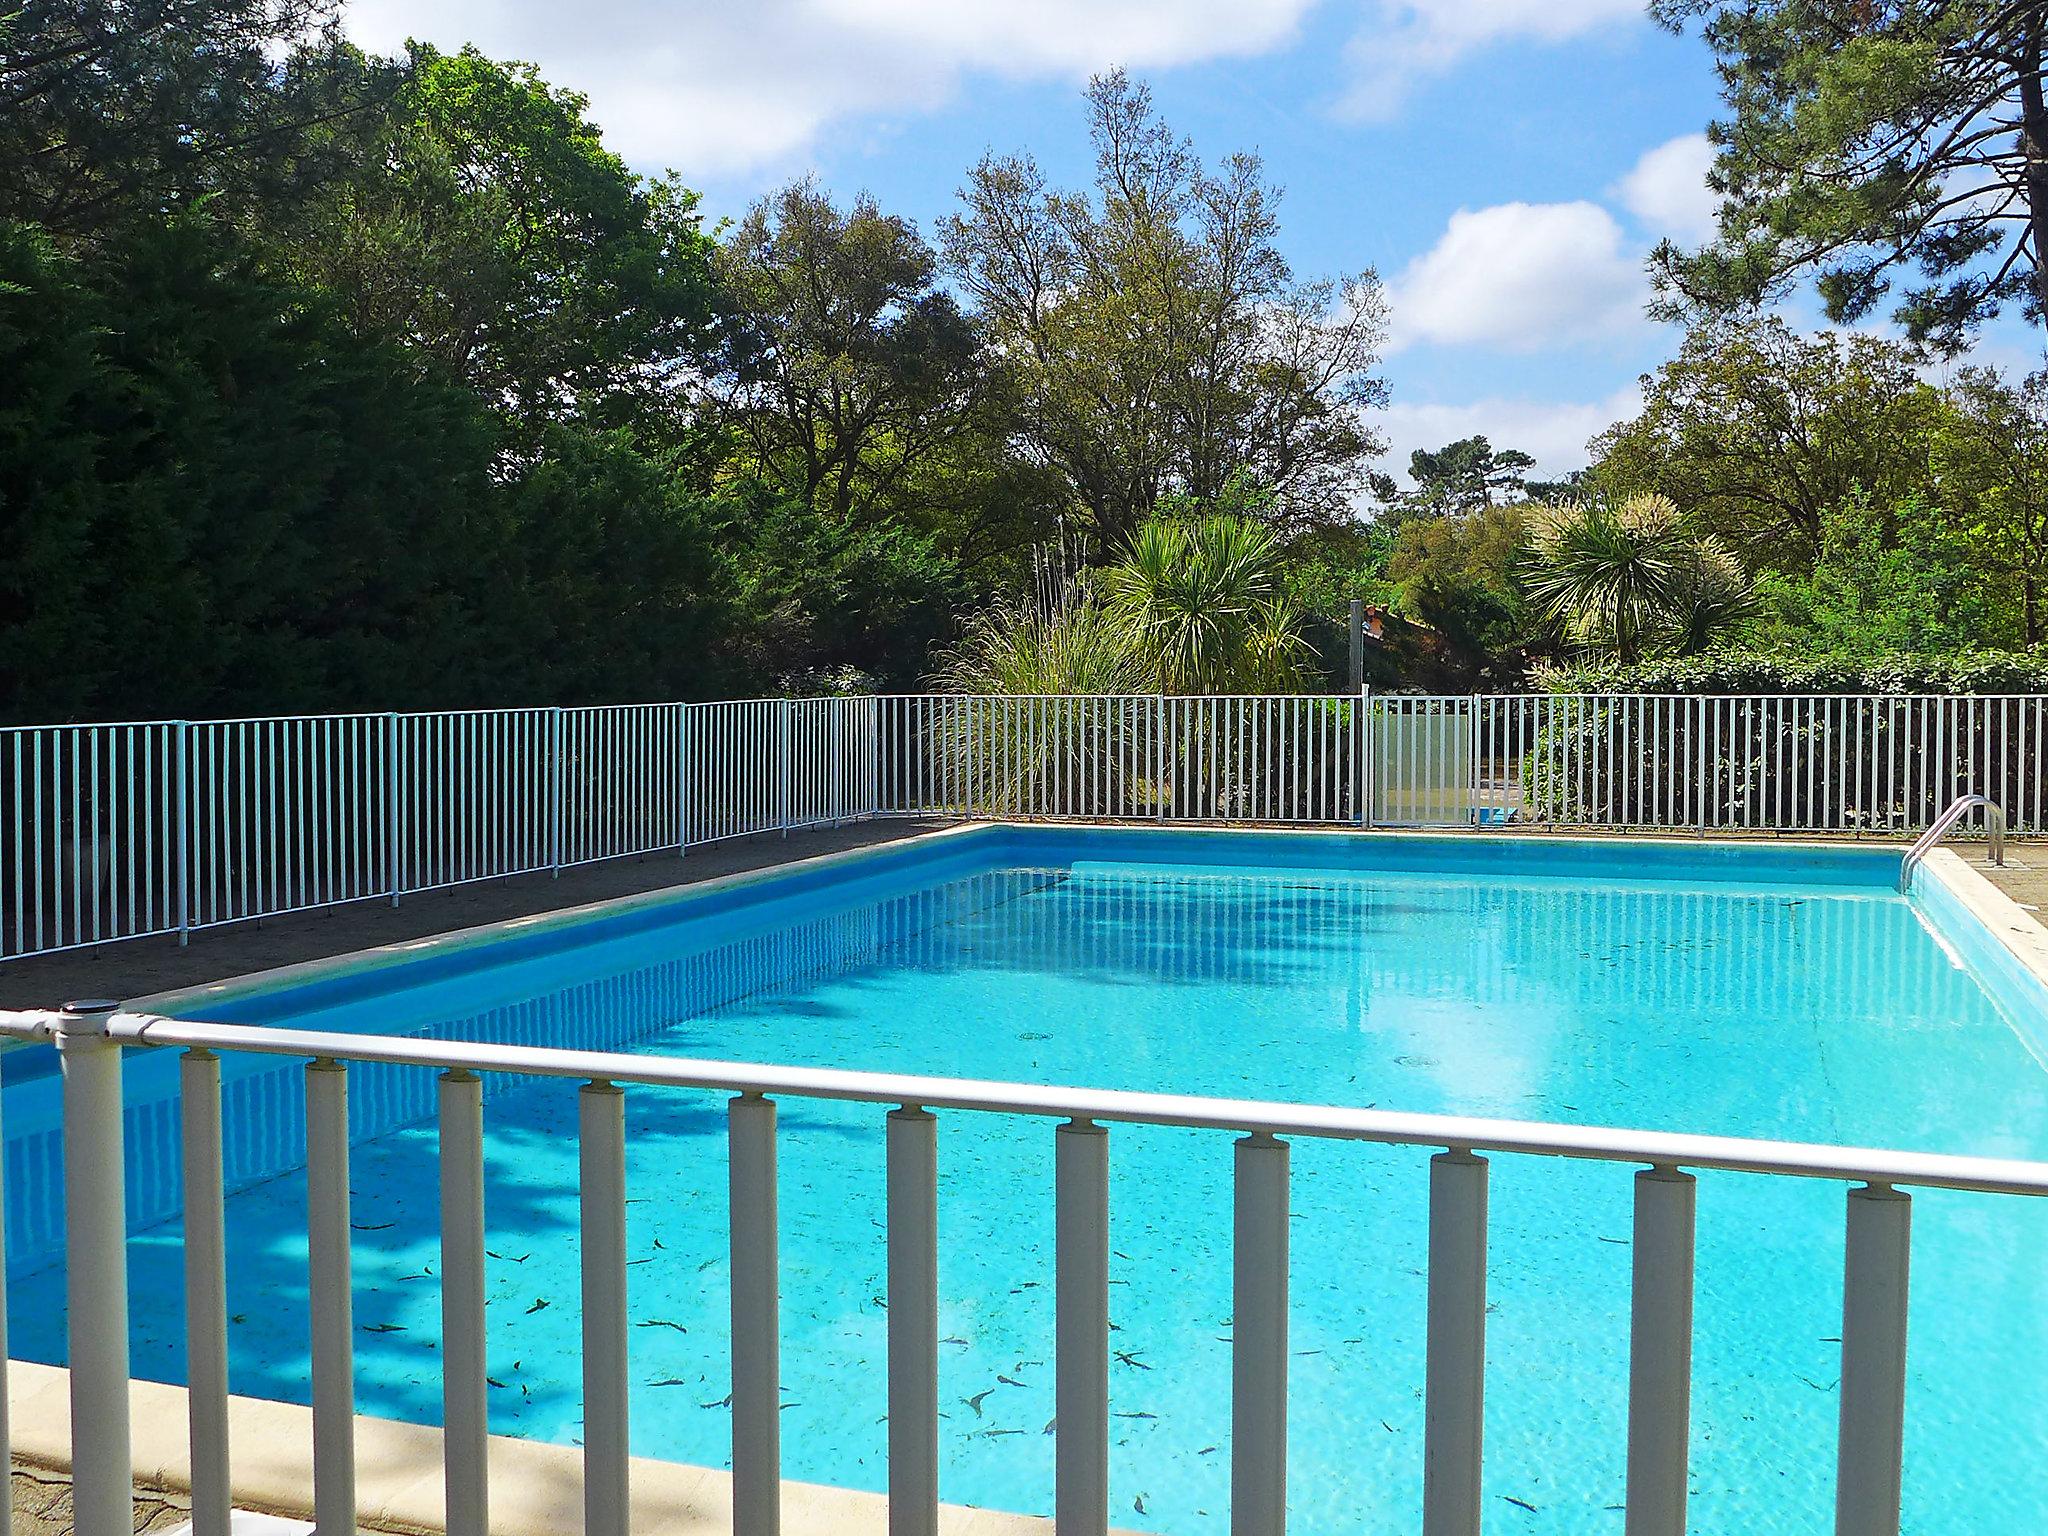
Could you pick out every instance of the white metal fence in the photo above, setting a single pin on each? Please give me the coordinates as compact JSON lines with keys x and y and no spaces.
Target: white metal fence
{"x":92,"y":1043}
{"x":122,"y":830}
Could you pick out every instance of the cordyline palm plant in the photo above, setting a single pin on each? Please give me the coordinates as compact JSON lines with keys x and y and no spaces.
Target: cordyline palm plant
{"x":1629,"y":576}
{"x":1711,"y":595}
{"x":1205,"y":597}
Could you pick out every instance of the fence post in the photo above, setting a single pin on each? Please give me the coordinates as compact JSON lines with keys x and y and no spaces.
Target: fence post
{"x":836,"y":754}
{"x":394,"y":788}
{"x":556,"y":777}
{"x":1361,"y":808}
{"x":783,"y":730}
{"x":1472,"y":794}
{"x":682,"y":780}
{"x":96,"y":1271}
{"x":184,"y":739}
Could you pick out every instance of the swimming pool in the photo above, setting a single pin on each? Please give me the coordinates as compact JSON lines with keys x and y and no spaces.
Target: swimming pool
{"x":1779,"y":992}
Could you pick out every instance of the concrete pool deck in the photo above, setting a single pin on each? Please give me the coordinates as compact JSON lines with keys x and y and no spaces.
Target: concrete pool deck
{"x":536,"y":1488}
{"x":140,"y":967}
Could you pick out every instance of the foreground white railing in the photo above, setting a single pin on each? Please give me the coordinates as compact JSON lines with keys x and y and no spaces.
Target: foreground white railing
{"x":123,"y":830}
{"x":93,"y":1038}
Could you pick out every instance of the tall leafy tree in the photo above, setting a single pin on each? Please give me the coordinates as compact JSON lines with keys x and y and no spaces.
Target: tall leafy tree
{"x":117,"y":109}
{"x":1461,"y":476}
{"x":1160,"y":341}
{"x":1872,"y":143}
{"x":1754,"y":431}
{"x":1990,"y":462}
{"x":846,"y":369}
{"x":490,"y":232}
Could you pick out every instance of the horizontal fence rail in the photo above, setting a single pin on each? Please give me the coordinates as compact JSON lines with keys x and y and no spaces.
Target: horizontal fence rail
{"x":92,"y":1043}
{"x":169,"y":827}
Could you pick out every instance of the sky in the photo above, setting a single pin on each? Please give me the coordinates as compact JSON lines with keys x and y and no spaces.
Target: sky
{"x":1505,"y":165}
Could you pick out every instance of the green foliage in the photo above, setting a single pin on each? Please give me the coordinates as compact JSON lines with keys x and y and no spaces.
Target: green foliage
{"x":1754,"y":432}
{"x":1630,"y":576}
{"x":118,"y":110}
{"x":1868,"y":142}
{"x":1461,"y":574}
{"x":1901,"y":579}
{"x":1459,"y":477}
{"x":1159,"y":341}
{"x":1735,"y":671}
{"x":1990,"y":461}
{"x":1205,"y":597}
{"x":846,"y":370}
{"x":195,"y":520}
{"x":813,"y":589}
{"x":488,"y":229}
{"x":1080,"y":646}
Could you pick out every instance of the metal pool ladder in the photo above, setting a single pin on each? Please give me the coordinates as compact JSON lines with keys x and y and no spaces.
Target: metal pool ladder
{"x":1994,"y":821}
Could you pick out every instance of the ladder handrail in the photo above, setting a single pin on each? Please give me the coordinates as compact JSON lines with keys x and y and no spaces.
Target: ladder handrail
{"x":1994,"y":821}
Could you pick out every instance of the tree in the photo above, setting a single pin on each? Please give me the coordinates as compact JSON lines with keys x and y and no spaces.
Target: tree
{"x":1755,"y":432}
{"x":1461,"y":575}
{"x":1990,"y":460}
{"x":1159,"y":340}
{"x":846,"y":370}
{"x":1458,"y":477}
{"x":1897,"y":579}
{"x":491,"y":232}
{"x":117,"y":109}
{"x":1869,"y":140}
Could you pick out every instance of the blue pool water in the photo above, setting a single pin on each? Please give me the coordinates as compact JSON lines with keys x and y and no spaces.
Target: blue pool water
{"x":1771,"y":993}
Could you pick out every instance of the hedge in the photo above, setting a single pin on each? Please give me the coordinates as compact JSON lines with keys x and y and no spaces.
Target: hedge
{"x":1722,"y":672}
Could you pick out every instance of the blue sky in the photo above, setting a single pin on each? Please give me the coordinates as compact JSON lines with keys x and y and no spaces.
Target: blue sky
{"x":1504,"y":164}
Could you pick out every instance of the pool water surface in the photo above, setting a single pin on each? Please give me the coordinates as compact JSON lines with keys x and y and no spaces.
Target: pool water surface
{"x":1780,"y":993}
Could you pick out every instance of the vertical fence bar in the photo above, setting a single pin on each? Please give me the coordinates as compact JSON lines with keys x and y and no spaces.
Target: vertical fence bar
{"x":96,"y":1270}
{"x":330,"y":1297}
{"x":182,"y":736}
{"x":206,"y":1285}
{"x":783,"y":727}
{"x":1455,"y":1371}
{"x":1081,"y":1302}
{"x":1660,"y":1353}
{"x":913,"y":1221}
{"x":601,"y":1181}
{"x":558,"y":776}
{"x":756,"y":1342}
{"x":465,"y":1414}
{"x":394,"y":789}
{"x":682,"y":779}
{"x":1258,"y":1350}
{"x":1874,"y":1285}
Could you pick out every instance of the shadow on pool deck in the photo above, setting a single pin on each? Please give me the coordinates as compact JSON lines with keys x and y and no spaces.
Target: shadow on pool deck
{"x":137,"y":967}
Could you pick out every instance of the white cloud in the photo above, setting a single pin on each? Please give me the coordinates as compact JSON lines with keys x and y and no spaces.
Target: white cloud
{"x":1521,"y":276}
{"x":1552,"y":432}
{"x":1667,"y":190}
{"x":717,"y":88}
{"x":1405,"y":41}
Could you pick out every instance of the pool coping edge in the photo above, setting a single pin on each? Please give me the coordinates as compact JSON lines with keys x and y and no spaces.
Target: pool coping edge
{"x":2004,"y":919}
